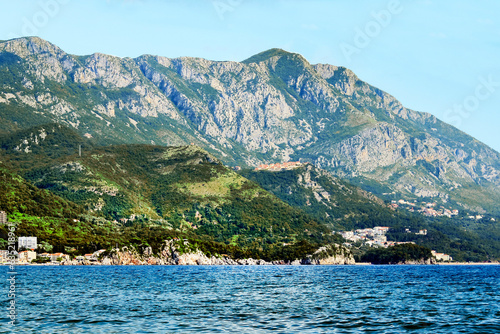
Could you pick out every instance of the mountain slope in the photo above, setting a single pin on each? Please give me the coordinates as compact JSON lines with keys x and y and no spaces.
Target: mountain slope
{"x":343,"y":206}
{"x":327,"y":198}
{"x":17,"y":195}
{"x":273,"y":107}
{"x":181,"y":188}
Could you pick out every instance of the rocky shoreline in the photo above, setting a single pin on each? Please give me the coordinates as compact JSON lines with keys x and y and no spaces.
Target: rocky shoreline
{"x":171,"y":255}
{"x":254,"y":262}
{"x":179,"y":252}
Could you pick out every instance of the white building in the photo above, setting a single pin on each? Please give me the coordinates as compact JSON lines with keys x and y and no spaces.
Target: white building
{"x":27,"y":242}
{"x":422,"y":232}
{"x":441,"y":256}
{"x":380,"y":238}
{"x":55,"y":256}
{"x":26,"y":256}
{"x":381,"y":230}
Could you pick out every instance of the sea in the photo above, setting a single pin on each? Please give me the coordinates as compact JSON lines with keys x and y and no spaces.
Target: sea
{"x":252,"y":299}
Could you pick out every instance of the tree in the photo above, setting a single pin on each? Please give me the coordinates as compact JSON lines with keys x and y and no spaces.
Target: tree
{"x":45,"y":246}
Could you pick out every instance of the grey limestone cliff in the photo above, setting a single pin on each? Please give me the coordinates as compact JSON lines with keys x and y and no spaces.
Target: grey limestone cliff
{"x":272,"y":107}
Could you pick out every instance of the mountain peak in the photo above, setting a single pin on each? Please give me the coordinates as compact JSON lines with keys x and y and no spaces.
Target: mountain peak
{"x":27,"y":46}
{"x":266,"y":55}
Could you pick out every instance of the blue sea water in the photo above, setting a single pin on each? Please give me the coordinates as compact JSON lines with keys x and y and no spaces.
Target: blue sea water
{"x":254,"y":299}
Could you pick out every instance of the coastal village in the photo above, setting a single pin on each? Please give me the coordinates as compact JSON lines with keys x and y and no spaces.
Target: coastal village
{"x":431,"y":209}
{"x":376,"y":237}
{"x":31,"y":252}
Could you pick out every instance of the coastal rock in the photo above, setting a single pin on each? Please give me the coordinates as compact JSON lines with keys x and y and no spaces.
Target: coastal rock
{"x":252,"y":262}
{"x":170,"y":254}
{"x":331,"y":255}
{"x":336,"y":260}
{"x":420,"y":262}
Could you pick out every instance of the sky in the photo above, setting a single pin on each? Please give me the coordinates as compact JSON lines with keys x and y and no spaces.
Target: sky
{"x":437,"y":56}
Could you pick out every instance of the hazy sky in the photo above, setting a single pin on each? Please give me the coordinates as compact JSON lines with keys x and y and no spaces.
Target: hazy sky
{"x":437,"y":56}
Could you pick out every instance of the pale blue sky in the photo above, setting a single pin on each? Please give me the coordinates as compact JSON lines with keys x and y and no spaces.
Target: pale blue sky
{"x":438,"y":56}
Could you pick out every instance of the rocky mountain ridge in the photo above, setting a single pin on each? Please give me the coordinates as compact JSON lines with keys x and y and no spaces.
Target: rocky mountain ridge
{"x":272,"y":107}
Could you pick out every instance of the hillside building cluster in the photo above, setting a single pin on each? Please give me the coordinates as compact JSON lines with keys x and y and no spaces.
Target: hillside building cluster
{"x":27,"y":247}
{"x":369,"y":236}
{"x":427,"y":209}
{"x":280,"y":166}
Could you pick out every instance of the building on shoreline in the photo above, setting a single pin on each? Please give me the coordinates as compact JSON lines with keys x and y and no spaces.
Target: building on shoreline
{"x":441,"y":256}
{"x":55,"y":256}
{"x":370,"y":236}
{"x":26,"y":256}
{"x":373,"y":237}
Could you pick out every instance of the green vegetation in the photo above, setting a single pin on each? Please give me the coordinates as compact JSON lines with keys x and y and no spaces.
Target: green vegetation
{"x":171,"y":191}
{"x":93,"y":233}
{"x":345,"y":206}
{"x":331,"y":114}
{"x":464,"y":240}
{"x":399,"y":254}
{"x":86,"y":202}
{"x":185,"y":190}
{"x":17,"y":195}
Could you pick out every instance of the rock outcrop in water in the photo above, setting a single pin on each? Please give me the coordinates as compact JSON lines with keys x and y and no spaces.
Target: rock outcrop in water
{"x":332,"y":255}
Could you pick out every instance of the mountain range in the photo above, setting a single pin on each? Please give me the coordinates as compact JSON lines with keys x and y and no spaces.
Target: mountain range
{"x":272,"y":107}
